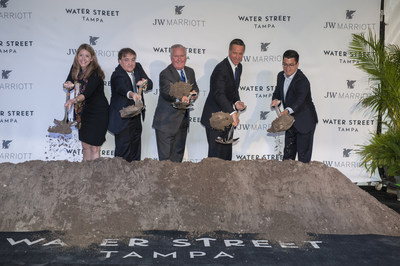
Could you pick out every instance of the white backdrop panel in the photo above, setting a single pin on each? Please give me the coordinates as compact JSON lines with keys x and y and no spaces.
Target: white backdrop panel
{"x":39,"y":40}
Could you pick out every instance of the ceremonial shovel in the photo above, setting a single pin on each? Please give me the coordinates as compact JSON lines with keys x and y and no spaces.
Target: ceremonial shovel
{"x":229,"y":139}
{"x":282,"y":123}
{"x":62,"y":126}
{"x":134,"y":109}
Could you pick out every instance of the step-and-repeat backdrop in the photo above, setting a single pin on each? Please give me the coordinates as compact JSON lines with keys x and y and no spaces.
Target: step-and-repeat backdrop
{"x":39,"y":39}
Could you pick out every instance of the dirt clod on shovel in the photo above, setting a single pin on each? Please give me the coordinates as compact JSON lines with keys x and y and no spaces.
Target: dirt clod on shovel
{"x":180,"y":89}
{"x":61,"y":126}
{"x":220,"y":120}
{"x":131,"y":110}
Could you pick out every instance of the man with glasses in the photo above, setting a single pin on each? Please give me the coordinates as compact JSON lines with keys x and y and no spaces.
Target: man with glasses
{"x":294,"y":92}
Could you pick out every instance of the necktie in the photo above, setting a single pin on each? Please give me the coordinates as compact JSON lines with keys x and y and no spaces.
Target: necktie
{"x":133,"y":82}
{"x":183,"y":78}
{"x":236,"y":75}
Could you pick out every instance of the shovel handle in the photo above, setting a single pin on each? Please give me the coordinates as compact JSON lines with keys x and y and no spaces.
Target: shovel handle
{"x":278,"y":111}
{"x":66,"y":108}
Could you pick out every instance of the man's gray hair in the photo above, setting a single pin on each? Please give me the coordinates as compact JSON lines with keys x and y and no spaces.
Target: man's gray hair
{"x":175,"y":46}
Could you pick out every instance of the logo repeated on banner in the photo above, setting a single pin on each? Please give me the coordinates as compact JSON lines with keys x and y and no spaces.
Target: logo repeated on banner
{"x":13,"y":116}
{"x":347,"y":92}
{"x":346,"y":152}
{"x":6,"y":144}
{"x":259,"y":125}
{"x":350,"y":159}
{"x":5,"y":75}
{"x":346,"y":25}
{"x":8,"y":154}
{"x":189,"y":50}
{"x":179,"y":11}
{"x":93,"y":41}
{"x":194,"y":119}
{"x":12,"y":15}
{"x":13,"y":46}
{"x":254,"y":127}
{"x":345,"y":57}
{"x":265,"y":22}
{"x":348,"y":125}
{"x":264,"y":115}
{"x":259,"y":157}
{"x":92,"y":15}
{"x":263,"y":56}
{"x":258,"y":91}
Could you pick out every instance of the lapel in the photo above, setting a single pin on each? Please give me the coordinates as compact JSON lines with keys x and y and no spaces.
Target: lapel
{"x":175,"y":74}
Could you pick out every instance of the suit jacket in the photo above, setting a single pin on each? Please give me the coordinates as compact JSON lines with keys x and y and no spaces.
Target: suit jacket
{"x":223,"y":91}
{"x":167,"y":118}
{"x":120,"y":85}
{"x":298,"y":97}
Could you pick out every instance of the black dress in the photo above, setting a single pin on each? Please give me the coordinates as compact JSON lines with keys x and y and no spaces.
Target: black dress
{"x":94,"y":113}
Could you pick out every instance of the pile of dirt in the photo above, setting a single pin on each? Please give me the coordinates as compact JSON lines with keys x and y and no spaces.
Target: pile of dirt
{"x":111,"y":197}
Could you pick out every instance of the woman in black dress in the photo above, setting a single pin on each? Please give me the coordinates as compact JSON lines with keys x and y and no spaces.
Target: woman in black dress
{"x":91,"y":105}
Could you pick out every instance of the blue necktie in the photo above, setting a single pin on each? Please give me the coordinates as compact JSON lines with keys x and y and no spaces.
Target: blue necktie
{"x":183,"y":78}
{"x":236,"y":75}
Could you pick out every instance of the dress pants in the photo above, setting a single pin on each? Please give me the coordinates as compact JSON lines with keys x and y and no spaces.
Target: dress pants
{"x":128,"y":142}
{"x":172,"y":147}
{"x":298,"y":143}
{"x":215,"y":149}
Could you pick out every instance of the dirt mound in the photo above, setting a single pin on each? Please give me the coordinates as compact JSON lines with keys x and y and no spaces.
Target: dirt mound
{"x":111,"y":197}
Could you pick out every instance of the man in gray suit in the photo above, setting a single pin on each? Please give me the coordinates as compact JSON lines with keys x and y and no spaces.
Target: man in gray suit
{"x":171,"y":124}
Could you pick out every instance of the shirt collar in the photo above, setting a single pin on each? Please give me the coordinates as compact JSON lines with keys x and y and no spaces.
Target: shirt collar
{"x":232,"y":65}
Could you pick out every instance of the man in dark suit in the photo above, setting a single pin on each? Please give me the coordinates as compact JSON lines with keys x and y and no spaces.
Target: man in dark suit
{"x":224,"y":96}
{"x":293,"y":91}
{"x":126,"y":78}
{"x":171,"y":124}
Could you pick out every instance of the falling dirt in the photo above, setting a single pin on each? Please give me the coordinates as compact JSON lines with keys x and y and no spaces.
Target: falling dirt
{"x":110,"y":197}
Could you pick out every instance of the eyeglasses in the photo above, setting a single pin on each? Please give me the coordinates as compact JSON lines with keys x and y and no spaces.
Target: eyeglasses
{"x":288,"y":65}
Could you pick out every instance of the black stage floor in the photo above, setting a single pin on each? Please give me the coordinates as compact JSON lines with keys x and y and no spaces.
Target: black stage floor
{"x":217,"y":248}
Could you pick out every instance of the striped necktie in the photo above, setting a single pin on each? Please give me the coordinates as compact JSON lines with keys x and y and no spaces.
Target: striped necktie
{"x":183,"y":78}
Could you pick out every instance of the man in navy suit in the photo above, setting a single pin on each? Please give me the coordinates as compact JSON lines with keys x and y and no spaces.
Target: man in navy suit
{"x":126,"y":78}
{"x":224,"y":96}
{"x":171,"y":124}
{"x":293,"y":91}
